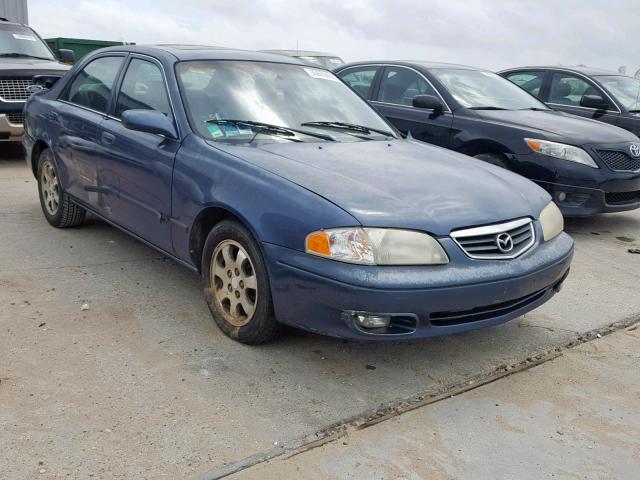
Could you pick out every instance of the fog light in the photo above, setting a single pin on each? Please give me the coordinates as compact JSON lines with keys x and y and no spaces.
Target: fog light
{"x":561,"y":196}
{"x":368,"y":320}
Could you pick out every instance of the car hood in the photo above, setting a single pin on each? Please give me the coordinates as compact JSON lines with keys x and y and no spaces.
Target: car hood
{"x":13,"y":66}
{"x":559,"y":126}
{"x":401,"y":183}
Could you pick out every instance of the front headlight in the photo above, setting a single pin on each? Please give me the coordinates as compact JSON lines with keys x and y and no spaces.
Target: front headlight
{"x":552,"y":221}
{"x":376,"y":246}
{"x":560,"y":150}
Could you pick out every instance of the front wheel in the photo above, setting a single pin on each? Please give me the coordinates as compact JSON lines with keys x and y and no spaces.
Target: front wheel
{"x":58,"y":208}
{"x":236,"y":284}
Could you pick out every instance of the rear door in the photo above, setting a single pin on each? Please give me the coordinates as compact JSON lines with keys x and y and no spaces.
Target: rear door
{"x":566,"y":90}
{"x":532,"y":81}
{"x":82,"y":108}
{"x":394,"y":99}
{"x":140,"y":164}
{"x":361,"y":78}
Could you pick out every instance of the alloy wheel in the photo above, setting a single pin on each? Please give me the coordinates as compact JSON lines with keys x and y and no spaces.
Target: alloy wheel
{"x":234,"y":282}
{"x":50,"y":188}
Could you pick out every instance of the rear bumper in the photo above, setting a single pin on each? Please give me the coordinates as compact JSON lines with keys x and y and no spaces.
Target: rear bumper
{"x":9,"y":132}
{"x":325,"y":296}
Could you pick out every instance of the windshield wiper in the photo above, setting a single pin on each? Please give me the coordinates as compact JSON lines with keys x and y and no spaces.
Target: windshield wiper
{"x":488,"y":107}
{"x":269,"y":128}
{"x":536,"y":109}
{"x":347,"y":126}
{"x":21,"y":55}
{"x":633,"y":111}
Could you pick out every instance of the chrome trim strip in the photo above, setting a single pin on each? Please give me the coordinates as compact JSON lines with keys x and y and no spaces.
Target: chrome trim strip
{"x":493,"y":230}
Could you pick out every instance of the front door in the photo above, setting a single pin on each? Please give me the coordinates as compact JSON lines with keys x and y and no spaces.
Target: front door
{"x":394,"y":100}
{"x":140,"y":163}
{"x":566,"y":91}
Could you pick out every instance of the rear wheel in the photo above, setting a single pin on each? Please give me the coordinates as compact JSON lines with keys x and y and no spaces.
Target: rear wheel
{"x":236,"y":284}
{"x":58,"y":208}
{"x":497,"y":159}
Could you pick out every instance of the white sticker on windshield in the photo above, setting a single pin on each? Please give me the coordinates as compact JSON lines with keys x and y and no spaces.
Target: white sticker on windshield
{"x":322,"y":74}
{"x":19,"y":36}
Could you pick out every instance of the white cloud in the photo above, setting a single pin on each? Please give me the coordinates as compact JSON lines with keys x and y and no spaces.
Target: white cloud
{"x":477,"y":32}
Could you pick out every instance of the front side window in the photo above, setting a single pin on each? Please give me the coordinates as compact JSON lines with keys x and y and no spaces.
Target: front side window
{"x":528,"y":81}
{"x":626,"y":90}
{"x":143,"y":88}
{"x":568,"y":89}
{"x":401,"y":85}
{"x":298,"y":97}
{"x":480,"y":90}
{"x":92,"y":87}
{"x":360,"y":79}
{"x":20,"y":42}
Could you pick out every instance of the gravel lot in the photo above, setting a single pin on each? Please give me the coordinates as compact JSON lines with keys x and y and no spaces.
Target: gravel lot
{"x":143,"y":385}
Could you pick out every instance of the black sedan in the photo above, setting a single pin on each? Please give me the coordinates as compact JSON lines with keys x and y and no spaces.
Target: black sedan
{"x":592,"y":93}
{"x":589,"y":167}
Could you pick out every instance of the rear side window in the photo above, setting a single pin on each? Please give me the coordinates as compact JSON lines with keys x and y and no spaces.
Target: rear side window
{"x":401,"y":85}
{"x":568,"y":89}
{"x":143,"y":88}
{"x":360,"y":80}
{"x":529,"y":81}
{"x":93,"y":85}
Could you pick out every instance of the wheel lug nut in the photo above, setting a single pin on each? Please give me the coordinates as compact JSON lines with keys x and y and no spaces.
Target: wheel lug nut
{"x":237,"y":272}
{"x":237,"y":294}
{"x":241,"y":284}
{"x":229,"y":273}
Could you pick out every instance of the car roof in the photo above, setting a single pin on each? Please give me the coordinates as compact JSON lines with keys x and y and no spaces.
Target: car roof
{"x":203,"y":52}
{"x":300,"y":53}
{"x":419,"y":64}
{"x":572,"y":68}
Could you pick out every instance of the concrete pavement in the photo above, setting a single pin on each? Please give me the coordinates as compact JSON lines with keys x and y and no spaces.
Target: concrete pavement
{"x":572,"y":417}
{"x":143,"y":385}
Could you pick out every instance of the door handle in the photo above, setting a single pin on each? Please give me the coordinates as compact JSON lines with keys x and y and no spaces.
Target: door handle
{"x":53,"y":116}
{"x":108,"y":138}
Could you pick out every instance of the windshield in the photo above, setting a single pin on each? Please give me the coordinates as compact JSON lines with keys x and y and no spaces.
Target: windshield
{"x":485,"y":90}
{"x":625,"y":89}
{"x":325,"y":62}
{"x":280,"y":95}
{"x":19,"y":41}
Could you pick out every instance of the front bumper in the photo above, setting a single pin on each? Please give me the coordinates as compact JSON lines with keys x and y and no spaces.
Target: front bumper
{"x":579,"y":190}
{"x":9,"y":132}
{"x":323,"y":296}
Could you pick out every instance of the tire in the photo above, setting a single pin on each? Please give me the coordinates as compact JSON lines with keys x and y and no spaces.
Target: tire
{"x":496,"y":159}
{"x":58,"y":208}
{"x":236,"y":285}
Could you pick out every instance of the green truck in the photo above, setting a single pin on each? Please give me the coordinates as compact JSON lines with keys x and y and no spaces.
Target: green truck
{"x":80,"y":46}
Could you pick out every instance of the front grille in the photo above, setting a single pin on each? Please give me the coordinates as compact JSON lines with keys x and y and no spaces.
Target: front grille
{"x":15,"y":118}
{"x":14,"y":90}
{"x":622,"y":198}
{"x":619,"y":161}
{"x":496,"y":242}
{"x":457,"y":317}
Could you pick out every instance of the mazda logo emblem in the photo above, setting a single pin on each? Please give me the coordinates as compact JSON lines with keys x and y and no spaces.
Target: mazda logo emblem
{"x":634,"y":148}
{"x":504,"y":242}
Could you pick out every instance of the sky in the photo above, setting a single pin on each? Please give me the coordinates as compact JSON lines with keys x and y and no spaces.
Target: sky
{"x":490,"y":34}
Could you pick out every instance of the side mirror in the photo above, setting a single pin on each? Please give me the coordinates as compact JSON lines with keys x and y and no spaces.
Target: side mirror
{"x":428,"y":102}
{"x":66,"y":56}
{"x":150,"y":121}
{"x":43,"y":82}
{"x":594,"y":101}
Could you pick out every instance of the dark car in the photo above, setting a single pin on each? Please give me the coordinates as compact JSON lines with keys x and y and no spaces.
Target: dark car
{"x":291,"y":196}
{"x":589,"y":167}
{"x":23,"y":54}
{"x":321,"y":59}
{"x":589,"y":92}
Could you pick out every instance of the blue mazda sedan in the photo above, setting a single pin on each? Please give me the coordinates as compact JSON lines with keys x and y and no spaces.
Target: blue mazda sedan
{"x":293,"y":199}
